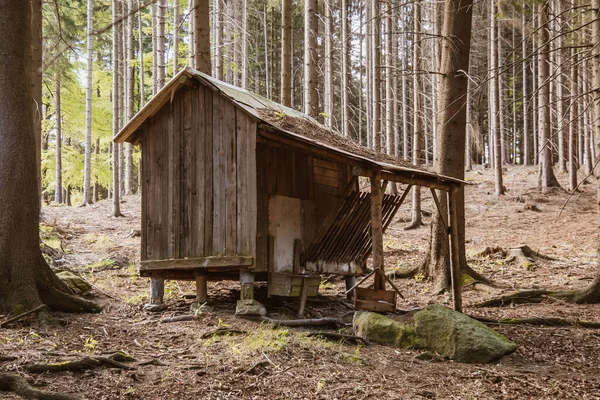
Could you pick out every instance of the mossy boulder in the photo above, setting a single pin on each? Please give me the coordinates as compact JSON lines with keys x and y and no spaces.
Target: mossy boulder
{"x":77,"y":284}
{"x":436,"y":328}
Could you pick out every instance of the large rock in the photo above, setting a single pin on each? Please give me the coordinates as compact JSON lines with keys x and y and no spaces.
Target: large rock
{"x":436,"y":328}
{"x":77,"y":284}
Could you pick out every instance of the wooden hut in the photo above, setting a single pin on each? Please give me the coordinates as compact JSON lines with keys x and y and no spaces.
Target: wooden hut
{"x":237,"y":186}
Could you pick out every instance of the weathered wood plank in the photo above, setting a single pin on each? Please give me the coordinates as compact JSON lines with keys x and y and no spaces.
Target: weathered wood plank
{"x":330,"y":173}
{"x":189,"y":211}
{"x":319,"y":162}
{"x":324,"y":180}
{"x":243,"y":175}
{"x":201,"y":140}
{"x":218,"y":165}
{"x":197,"y":263}
{"x":208,"y":151}
{"x":229,"y":135}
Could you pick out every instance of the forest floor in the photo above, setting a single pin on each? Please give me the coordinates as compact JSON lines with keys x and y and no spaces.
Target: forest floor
{"x":191,"y":360}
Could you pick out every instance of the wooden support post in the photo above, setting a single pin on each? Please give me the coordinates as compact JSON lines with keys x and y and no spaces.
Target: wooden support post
{"x":377,"y":228}
{"x":201,"y":289}
{"x":350,"y":282}
{"x":303,"y":297}
{"x":157,"y":290}
{"x":454,"y":249}
{"x":246,"y":285}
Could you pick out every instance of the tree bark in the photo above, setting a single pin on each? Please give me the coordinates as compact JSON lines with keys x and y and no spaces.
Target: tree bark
{"x":201,"y":17}
{"x":27,"y":281}
{"x":416,"y":218}
{"x":345,"y":52}
{"x":376,"y":73}
{"x":286,"y":53}
{"x":328,"y":108}
{"x":495,"y":101}
{"x":525,"y":100}
{"x":87,"y":161}
{"x":449,"y":159}
{"x":116,"y":91}
{"x":176,"y":22}
{"x":548,"y":179}
{"x":129,"y":174}
{"x":58,"y":152}
{"x":36,"y":84}
{"x":311,"y":96}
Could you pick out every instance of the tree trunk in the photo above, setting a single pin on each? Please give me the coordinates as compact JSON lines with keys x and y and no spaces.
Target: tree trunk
{"x":116,"y":91}
{"x":36,"y":84}
{"x":345,"y":52}
{"x":311,"y":96}
{"x":574,"y":118}
{"x":286,"y":53}
{"x":87,"y":160}
{"x":129,"y":175}
{"x":559,"y":84}
{"x":176,"y":22}
{"x":451,"y":122}
{"x":244,"y":78}
{"x":592,"y":292}
{"x":201,"y":17}
{"x":27,"y":281}
{"x":376,"y":73}
{"x":59,"y":185}
{"x":328,"y":109}
{"x":495,"y":101}
{"x":141,"y":56}
{"x":525,"y":100}
{"x":548,"y":179}
{"x":389,"y":89}
{"x":160,"y":44}
{"x":417,"y":219}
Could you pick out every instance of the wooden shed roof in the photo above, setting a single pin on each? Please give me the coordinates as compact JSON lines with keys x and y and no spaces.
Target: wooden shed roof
{"x":256,"y":105}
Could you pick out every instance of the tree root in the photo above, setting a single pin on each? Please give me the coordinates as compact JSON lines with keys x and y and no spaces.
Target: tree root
{"x":528,"y":296}
{"x":18,"y":385}
{"x":114,"y":360}
{"x":222,"y":331}
{"x":21,"y":316}
{"x":58,"y":300}
{"x":547,"y":321}
{"x":402,"y":274}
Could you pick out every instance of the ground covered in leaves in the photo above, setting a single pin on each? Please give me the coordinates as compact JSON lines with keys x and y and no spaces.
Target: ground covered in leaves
{"x":220,"y":356}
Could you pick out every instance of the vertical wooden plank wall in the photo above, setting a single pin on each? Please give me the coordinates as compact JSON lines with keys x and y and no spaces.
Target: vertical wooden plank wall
{"x":200,"y":183}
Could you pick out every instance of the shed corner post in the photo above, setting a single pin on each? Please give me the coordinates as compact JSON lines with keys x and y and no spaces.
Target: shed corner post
{"x":377,"y":228}
{"x":246,"y":285}
{"x":201,"y":288}
{"x":454,"y":250}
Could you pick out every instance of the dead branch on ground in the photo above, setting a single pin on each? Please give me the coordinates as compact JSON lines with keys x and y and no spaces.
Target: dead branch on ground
{"x":114,"y":360}
{"x":18,"y":385}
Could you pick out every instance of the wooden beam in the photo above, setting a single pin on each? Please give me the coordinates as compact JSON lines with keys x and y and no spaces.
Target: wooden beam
{"x":377,"y":228}
{"x":454,"y":249}
{"x":197,"y":263}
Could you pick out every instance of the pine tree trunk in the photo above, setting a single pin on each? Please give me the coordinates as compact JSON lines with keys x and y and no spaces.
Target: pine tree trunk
{"x":58,"y":164}
{"x":116,"y":92}
{"x":495,"y":100}
{"x":376,"y":73}
{"x":389,"y":89}
{"x":36,"y":84}
{"x":244,"y":82}
{"x":201,"y":36}
{"x":218,"y":39}
{"x":160,"y":44}
{"x":176,"y":22}
{"x":311,"y":97}
{"x":416,"y":218}
{"x":525,"y":99}
{"x":548,"y":179}
{"x":141,"y":56}
{"x":286,"y":53}
{"x":451,"y":134}
{"x":345,"y":49}
{"x":328,"y":105}
{"x":87,"y":161}
{"x":129,"y":174}
{"x":27,"y":281}
{"x":559,"y":82}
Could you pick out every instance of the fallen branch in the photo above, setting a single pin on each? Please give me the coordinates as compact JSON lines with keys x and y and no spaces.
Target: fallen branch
{"x":294,"y":323}
{"x":181,"y":318}
{"x":18,"y":385}
{"x":89,"y":362}
{"x":543,"y":321}
{"x":7,"y":358}
{"x":338,"y":336}
{"x":21,"y":316}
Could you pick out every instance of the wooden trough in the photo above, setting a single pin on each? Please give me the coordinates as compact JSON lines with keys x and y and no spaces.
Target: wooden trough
{"x":228,"y":193}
